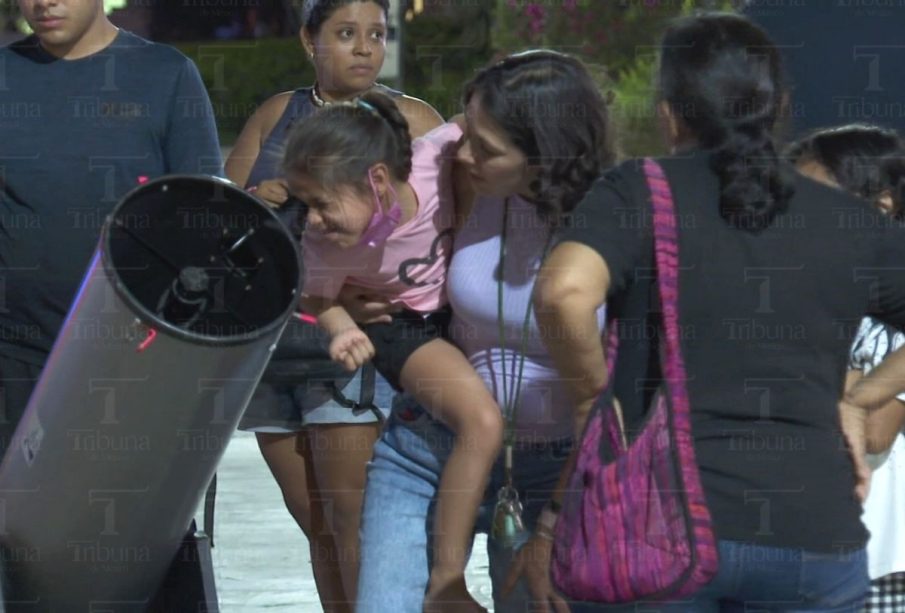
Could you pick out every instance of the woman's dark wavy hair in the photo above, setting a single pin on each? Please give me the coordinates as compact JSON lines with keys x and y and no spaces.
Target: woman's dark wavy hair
{"x":316,"y":12}
{"x":338,"y":144}
{"x":721,"y":77}
{"x":865,"y":160}
{"x":551,"y":109}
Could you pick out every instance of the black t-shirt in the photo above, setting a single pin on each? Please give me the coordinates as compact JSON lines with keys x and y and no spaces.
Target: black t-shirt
{"x":766,"y":321}
{"x":76,"y":137}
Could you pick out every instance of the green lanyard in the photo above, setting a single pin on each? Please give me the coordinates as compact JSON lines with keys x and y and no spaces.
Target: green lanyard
{"x":512,"y":392}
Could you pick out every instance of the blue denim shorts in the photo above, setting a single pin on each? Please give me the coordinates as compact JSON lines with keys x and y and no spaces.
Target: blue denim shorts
{"x":285,"y":408}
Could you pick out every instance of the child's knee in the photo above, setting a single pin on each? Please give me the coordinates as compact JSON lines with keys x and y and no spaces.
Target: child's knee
{"x":484,"y":429}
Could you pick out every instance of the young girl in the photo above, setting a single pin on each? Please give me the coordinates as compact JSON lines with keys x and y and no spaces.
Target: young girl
{"x":380,"y":217}
{"x":869,"y":162}
{"x":314,"y":444}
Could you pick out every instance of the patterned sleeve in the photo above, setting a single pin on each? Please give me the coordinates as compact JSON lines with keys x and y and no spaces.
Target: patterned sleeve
{"x":898,"y":339}
{"x":858,"y":356}
{"x":873,"y":342}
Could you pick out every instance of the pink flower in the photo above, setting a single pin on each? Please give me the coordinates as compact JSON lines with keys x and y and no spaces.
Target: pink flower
{"x":535,"y":11}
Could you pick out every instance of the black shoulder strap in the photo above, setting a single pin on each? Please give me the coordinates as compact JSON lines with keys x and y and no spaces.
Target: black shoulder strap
{"x":365,"y":396}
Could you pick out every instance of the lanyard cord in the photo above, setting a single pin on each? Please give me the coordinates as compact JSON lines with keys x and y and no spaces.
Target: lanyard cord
{"x":512,"y":392}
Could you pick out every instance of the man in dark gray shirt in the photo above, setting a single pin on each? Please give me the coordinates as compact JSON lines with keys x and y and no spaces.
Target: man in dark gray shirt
{"x":86,"y":112}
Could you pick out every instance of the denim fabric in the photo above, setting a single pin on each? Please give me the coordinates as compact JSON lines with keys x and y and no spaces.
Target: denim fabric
{"x":284,"y":408}
{"x":758,"y":579}
{"x":397,"y":523}
{"x":397,"y":518}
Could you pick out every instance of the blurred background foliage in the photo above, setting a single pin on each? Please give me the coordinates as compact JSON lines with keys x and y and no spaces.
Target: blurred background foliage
{"x":618,"y":41}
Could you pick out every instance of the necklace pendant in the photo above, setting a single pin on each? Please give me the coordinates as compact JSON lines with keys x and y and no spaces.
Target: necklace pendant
{"x":508,"y":526}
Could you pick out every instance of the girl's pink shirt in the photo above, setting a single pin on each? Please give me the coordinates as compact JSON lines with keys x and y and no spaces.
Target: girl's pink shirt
{"x":410,"y":267}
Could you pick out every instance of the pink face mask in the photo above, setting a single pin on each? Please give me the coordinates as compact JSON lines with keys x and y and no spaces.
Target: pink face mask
{"x":382,"y":224}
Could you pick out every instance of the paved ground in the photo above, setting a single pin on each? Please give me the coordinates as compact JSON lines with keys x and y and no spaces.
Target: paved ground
{"x":261,"y":558}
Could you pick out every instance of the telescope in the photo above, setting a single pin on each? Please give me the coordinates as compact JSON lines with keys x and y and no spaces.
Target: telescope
{"x":187,"y":293}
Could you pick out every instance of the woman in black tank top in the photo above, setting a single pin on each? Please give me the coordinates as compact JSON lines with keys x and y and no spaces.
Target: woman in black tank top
{"x":302,"y":432}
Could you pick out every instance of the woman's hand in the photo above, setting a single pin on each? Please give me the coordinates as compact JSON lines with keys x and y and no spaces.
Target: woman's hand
{"x":853,"y":419}
{"x":365,"y":307}
{"x":532,"y":565}
{"x":274,"y":192}
{"x":450,"y":596}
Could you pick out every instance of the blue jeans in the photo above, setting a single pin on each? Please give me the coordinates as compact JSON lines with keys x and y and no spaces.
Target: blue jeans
{"x":397,"y":518}
{"x":757,"y":579}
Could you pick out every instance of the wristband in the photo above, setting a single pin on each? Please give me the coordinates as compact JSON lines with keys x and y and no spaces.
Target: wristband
{"x":544,"y":534}
{"x":547,"y":520}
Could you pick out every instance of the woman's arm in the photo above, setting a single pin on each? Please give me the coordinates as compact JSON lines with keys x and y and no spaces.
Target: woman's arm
{"x":421,"y":116}
{"x":884,"y":425}
{"x":853,"y":420}
{"x":570,"y":288}
{"x":881,"y":385}
{"x":877,"y":394}
{"x":248,"y":145}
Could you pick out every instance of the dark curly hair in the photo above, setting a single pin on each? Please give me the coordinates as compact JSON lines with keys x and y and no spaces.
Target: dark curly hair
{"x":548,"y":105}
{"x":866,"y":160}
{"x":721,"y":76}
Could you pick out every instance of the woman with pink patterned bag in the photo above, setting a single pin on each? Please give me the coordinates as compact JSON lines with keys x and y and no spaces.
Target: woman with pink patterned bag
{"x":735,"y":299}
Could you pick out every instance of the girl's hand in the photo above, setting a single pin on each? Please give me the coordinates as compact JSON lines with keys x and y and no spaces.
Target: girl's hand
{"x":352,"y":348}
{"x":274,"y":192}
{"x":532,"y":566}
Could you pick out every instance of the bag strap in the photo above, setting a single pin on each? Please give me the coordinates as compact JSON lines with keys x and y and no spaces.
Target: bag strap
{"x":366,"y":393}
{"x":666,"y":250}
{"x":704,"y":556}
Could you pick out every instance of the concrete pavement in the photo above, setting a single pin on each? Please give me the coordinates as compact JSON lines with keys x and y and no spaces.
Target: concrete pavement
{"x":261,"y":561}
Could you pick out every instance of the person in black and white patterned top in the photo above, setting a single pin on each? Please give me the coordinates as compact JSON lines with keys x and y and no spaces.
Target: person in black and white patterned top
{"x":870,"y":162}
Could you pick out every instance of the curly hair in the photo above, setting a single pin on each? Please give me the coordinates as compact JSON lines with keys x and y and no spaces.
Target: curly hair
{"x":866,"y":160}
{"x":721,"y":76}
{"x":548,"y":105}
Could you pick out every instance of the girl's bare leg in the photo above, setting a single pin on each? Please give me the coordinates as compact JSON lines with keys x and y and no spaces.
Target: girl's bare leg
{"x":444,"y":382}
